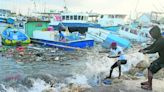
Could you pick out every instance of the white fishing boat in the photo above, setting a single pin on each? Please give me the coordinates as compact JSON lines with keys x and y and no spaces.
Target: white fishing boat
{"x":97,"y":34}
{"x":139,"y":34}
{"x":74,"y":21}
{"x":139,"y":29}
{"x":107,"y":20}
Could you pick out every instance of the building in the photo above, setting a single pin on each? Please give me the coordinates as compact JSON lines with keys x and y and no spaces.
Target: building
{"x":4,"y":13}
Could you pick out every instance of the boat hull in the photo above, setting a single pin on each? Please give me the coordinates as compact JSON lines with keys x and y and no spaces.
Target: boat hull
{"x":115,"y":38}
{"x":72,"y":45}
{"x":10,"y":38}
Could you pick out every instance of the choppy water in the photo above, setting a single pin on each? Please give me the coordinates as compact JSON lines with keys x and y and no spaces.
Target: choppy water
{"x":13,"y":74}
{"x":86,"y":69}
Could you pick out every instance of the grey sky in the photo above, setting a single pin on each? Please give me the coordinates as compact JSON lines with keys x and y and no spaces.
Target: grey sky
{"x":100,"y":6}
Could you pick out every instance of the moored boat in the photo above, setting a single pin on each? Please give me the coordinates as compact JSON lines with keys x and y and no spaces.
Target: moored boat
{"x":12,"y":36}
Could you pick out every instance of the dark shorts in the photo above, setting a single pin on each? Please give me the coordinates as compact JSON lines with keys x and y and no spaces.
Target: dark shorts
{"x":155,"y":66}
{"x":116,"y":64}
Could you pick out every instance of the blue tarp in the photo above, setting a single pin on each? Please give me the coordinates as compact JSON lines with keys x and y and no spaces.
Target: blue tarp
{"x":114,"y":38}
{"x":13,"y":34}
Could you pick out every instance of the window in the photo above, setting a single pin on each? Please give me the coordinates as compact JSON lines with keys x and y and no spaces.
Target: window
{"x":126,"y":29}
{"x":85,"y":18}
{"x":71,"y":17}
{"x":102,"y":16}
{"x":82,"y":17}
{"x":109,"y":16}
{"x":79,"y":17}
{"x":133,"y":31}
{"x":75,"y":17}
{"x":63,"y":17}
{"x":67,"y":17}
{"x":122,"y":28}
{"x":112,"y":16}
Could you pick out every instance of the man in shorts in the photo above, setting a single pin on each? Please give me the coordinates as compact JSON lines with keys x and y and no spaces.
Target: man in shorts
{"x":156,"y":47}
{"x":117,"y":52}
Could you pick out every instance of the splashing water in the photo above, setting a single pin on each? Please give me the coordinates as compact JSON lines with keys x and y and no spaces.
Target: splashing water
{"x":87,"y":70}
{"x":39,"y":86}
{"x":98,"y":65}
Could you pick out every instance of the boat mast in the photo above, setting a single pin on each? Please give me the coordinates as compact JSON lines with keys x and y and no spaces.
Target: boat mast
{"x":65,"y":6}
{"x":136,"y":13}
{"x":34,"y":3}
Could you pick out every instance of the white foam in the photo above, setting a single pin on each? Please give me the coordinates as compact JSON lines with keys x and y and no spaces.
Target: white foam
{"x":100,"y":64}
{"x":78,"y":79}
{"x":10,"y":89}
{"x":39,"y":86}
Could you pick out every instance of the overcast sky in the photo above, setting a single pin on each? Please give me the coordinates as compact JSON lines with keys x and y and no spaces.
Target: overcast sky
{"x":99,"y":6}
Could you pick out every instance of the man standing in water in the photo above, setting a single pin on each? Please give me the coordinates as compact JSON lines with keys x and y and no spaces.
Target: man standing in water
{"x":155,"y":66}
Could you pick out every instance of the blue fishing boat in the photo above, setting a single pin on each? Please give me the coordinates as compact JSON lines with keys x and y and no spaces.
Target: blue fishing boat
{"x":7,"y":20}
{"x":11,"y":36}
{"x":112,"y":28}
{"x":122,"y":42}
{"x":70,"y":45}
{"x":4,"y":22}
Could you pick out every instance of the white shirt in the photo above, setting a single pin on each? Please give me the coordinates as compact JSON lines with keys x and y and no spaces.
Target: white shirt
{"x":115,"y":52}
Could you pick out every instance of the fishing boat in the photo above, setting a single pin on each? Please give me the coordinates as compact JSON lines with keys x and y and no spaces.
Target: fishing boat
{"x":12,"y":36}
{"x":76,"y":22}
{"x":122,"y":42}
{"x":111,"y":22}
{"x":138,"y":29}
{"x":51,"y":38}
{"x":135,"y":33}
{"x":97,"y":34}
{"x":107,"y":20}
{"x":4,"y":22}
{"x":71,"y":45}
{"x":106,"y":37}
